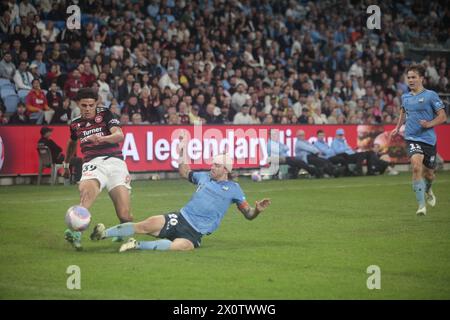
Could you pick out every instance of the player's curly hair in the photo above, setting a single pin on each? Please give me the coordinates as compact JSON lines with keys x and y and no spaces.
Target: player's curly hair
{"x":418,"y":68}
{"x":86,"y":93}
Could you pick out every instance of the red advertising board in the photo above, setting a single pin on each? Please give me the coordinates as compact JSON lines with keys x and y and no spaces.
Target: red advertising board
{"x":153,"y":148}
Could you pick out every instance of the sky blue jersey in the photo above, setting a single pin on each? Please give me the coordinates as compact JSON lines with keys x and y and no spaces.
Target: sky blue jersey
{"x":422,"y":106}
{"x":325,"y":150}
{"x":208,"y":205}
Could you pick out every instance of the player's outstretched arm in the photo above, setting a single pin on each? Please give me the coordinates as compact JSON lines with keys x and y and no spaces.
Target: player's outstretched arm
{"x":183,"y":167}
{"x":251,"y":213}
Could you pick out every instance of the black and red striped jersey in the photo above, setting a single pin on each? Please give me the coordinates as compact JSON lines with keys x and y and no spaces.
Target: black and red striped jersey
{"x":100,"y":125}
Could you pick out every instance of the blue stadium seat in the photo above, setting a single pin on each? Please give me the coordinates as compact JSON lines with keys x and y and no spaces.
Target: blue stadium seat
{"x":61,"y":25}
{"x":4,"y":81}
{"x":23,"y":94}
{"x":11,"y":103}
{"x":8,"y":85}
{"x":4,"y":92}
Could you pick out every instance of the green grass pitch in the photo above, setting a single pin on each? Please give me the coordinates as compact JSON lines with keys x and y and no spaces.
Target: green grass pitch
{"x":315,"y":242}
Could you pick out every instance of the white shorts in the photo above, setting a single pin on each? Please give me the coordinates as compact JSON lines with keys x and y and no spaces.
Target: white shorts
{"x":109,"y":171}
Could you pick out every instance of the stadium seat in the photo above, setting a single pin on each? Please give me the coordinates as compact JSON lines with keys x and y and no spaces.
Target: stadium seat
{"x":45,"y":161}
{"x":11,"y":103}
{"x":4,"y":92}
{"x":4,"y":81}
{"x":7,"y":85}
{"x":61,"y":25}
{"x":23,"y":94}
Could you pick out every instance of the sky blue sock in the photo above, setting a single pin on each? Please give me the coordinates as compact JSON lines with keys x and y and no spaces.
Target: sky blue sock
{"x":428,"y":184}
{"x":419,"y":189}
{"x":121,"y":230}
{"x":162,"y":245}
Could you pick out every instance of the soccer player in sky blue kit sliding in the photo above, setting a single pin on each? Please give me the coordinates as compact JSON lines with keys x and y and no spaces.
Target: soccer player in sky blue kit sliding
{"x":201,"y":216}
{"x":421,"y":111}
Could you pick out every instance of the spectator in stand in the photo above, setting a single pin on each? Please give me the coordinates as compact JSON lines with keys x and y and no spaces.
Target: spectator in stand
{"x":37,"y":106}
{"x":87,"y":76}
{"x":39,"y":62}
{"x":73,"y":84}
{"x":20,"y":116}
{"x":55,"y":74}
{"x":212,"y":114}
{"x":22,"y":77}
{"x":126,"y":88}
{"x":3,"y":118}
{"x":194,"y":118}
{"x":243,"y":116}
{"x":239,"y":98}
{"x":133,"y":106}
{"x":54,"y":98}
{"x":7,"y":67}
{"x":104,"y":90}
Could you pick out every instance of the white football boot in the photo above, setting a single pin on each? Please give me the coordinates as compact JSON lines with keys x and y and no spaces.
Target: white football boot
{"x":422,"y":211}
{"x":430,"y":197}
{"x":129,"y":245}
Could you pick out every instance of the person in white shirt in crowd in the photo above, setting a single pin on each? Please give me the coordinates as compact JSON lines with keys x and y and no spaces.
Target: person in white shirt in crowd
{"x":22,"y":77}
{"x":104,"y":91}
{"x":239,"y":98}
{"x":243,"y":116}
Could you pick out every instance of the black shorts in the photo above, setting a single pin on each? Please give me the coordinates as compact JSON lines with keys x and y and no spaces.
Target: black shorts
{"x":176,"y":226}
{"x":429,"y":152}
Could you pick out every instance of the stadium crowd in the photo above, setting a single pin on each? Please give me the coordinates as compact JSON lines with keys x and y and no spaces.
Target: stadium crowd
{"x":217,"y":61}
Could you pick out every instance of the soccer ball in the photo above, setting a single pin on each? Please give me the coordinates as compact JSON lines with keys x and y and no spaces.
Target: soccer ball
{"x":78,"y":218}
{"x":256,"y":177}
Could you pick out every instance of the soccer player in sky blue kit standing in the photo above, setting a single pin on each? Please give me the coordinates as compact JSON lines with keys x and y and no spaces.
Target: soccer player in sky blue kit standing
{"x":201,"y":216}
{"x":421,"y":111}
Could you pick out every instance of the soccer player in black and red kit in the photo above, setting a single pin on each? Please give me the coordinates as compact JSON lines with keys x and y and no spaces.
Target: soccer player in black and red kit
{"x":99,"y":133}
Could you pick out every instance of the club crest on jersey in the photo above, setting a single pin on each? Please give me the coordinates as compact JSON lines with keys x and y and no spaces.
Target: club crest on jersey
{"x":98,"y":119}
{"x":225,"y":188}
